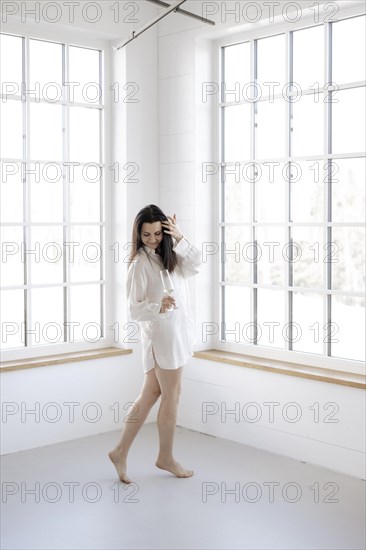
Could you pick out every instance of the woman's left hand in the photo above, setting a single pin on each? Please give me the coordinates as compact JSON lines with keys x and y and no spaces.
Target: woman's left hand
{"x":171,"y":227}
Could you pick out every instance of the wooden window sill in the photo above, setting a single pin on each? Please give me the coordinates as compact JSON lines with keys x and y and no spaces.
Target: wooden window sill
{"x":61,"y":358}
{"x":291,"y":369}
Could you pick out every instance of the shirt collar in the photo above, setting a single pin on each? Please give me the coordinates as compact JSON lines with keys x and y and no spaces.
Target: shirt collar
{"x":148,"y":249}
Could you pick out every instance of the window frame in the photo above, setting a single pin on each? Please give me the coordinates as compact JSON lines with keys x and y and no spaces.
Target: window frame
{"x":83,"y":40}
{"x":251,"y":350}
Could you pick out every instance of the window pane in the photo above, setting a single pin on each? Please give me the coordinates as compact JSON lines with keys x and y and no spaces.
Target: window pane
{"x":348,"y":327}
{"x":308,"y":128}
{"x":11,"y":63}
{"x":307,"y":190}
{"x":237,"y":132}
{"x":84,"y":74}
{"x":47,"y":315}
{"x":237,"y":72}
{"x":12,"y":318}
{"x":11,"y":192}
{"x":84,"y":192}
{"x":307,"y":331}
{"x":84,"y":134}
{"x":45,"y":69}
{"x":237,"y":315}
{"x":348,"y":126}
{"x":349,"y":50}
{"x":46,"y":264}
{"x":272,"y":262}
{"x":237,"y":253}
{"x":45,"y":131}
{"x":85,"y":310}
{"x":270,"y":193}
{"x":11,"y":118}
{"x":46,"y":192}
{"x":12,"y":267}
{"x":271,"y":129}
{"x":237,"y":193}
{"x":308,"y":56}
{"x":271,"y":318}
{"x":348,"y":258}
{"x":271,"y":67}
{"x":308,"y":255}
{"x":85,"y":265}
{"x":237,"y":66}
{"x":348,"y":190}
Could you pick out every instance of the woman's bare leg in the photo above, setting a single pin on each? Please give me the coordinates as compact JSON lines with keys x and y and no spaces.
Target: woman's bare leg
{"x":170,"y":387}
{"x":135,"y":418}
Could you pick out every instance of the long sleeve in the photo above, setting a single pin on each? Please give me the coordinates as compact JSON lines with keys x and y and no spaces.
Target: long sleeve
{"x":140,"y":309}
{"x":189,"y":257}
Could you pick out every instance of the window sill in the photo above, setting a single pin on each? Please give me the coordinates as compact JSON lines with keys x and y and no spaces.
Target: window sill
{"x":60,"y":359}
{"x":290,"y":369}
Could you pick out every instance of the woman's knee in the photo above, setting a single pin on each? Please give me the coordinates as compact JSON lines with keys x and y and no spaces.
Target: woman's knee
{"x":154,"y":390}
{"x":151,"y":388}
{"x":149,"y":396}
{"x":172,"y":393}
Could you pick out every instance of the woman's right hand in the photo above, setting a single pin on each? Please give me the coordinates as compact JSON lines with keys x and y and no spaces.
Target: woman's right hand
{"x":166,"y":303}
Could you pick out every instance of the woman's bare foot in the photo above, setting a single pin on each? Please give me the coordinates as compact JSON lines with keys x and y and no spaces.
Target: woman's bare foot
{"x":120,"y":465}
{"x":174,"y":467}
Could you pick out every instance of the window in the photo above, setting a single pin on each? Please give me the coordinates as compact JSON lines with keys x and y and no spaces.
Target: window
{"x":52,"y":197}
{"x":291,"y":194}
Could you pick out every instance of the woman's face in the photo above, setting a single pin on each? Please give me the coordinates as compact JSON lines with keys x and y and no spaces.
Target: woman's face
{"x":152,"y":234}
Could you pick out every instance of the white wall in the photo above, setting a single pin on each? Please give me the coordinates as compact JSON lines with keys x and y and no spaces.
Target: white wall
{"x":315,"y":422}
{"x":93,"y":386}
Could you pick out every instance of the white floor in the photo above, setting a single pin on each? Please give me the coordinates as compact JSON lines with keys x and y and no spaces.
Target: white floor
{"x":160,"y":511}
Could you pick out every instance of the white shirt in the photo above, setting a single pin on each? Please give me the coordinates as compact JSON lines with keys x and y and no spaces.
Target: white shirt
{"x":169,"y":335}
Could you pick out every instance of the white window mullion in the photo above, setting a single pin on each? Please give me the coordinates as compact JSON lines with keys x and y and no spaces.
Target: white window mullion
{"x":253,"y":106}
{"x":102,"y":227}
{"x":327,"y":231}
{"x":219,"y":150}
{"x":66,"y":190}
{"x":221,"y":200}
{"x":27,"y":187}
{"x":288,"y":294}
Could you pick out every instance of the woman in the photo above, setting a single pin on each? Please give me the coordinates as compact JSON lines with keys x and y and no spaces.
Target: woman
{"x":166,"y":334}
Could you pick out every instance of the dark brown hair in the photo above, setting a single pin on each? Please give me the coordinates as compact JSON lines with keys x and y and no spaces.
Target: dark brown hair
{"x":150,"y":214}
